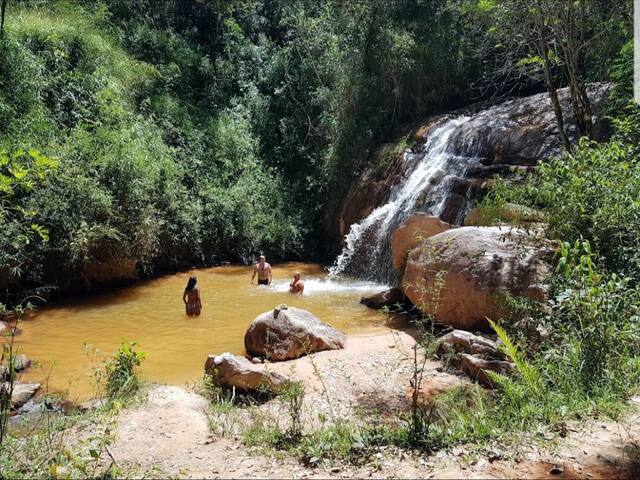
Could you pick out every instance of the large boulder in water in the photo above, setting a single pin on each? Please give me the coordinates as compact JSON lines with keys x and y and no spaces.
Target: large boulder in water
{"x":462,"y":276}
{"x":411,"y":233}
{"x":288,"y":332}
{"x":234,"y":371}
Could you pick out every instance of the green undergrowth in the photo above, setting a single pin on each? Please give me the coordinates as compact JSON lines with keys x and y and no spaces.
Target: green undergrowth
{"x":62,"y":441}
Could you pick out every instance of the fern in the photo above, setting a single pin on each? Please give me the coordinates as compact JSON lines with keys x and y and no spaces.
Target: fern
{"x":527,"y":371}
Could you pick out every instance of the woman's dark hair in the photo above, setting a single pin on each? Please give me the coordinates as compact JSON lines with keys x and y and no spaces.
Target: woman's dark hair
{"x":192,"y":283}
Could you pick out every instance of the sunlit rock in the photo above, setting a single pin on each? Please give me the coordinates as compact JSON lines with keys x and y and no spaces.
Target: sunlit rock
{"x":411,"y":233}
{"x":234,"y":371}
{"x":287,"y":332}
{"x":465,"y":275}
{"x":476,"y":367}
{"x":22,"y":393}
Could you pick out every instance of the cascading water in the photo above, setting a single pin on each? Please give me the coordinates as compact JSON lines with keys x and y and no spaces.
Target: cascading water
{"x":367,"y":251}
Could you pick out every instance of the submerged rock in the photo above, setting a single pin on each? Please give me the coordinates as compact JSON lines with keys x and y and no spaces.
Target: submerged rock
{"x":464,"y":275}
{"x":288,"y":332}
{"x":231,"y":370}
{"x":388,"y":298}
{"x":411,"y":233}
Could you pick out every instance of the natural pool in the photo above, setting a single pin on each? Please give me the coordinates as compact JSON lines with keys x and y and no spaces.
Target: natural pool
{"x":69,"y":340}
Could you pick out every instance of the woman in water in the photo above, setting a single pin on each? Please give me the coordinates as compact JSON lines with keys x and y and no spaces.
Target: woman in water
{"x":191,"y":297}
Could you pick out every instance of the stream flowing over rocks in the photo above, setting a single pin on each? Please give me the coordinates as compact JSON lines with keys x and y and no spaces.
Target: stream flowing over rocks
{"x":452,"y":163}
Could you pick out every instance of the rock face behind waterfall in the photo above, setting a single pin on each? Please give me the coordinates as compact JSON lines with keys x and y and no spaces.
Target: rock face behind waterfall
{"x":287,"y":332}
{"x":461,"y":276}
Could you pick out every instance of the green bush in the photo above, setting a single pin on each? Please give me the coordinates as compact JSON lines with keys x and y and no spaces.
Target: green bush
{"x":591,"y":194}
{"x":121,"y":378}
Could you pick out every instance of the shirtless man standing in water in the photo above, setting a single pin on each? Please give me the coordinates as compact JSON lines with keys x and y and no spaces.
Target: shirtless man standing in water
{"x":263,"y":269}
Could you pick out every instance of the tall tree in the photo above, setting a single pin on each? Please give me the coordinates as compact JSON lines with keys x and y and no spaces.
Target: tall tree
{"x":3,"y":10}
{"x":551,"y":41}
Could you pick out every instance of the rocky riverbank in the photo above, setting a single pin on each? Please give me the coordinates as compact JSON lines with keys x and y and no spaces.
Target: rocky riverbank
{"x":174,"y":431}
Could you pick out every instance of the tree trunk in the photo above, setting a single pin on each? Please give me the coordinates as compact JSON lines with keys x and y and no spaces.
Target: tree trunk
{"x":543,"y":46}
{"x":3,"y":9}
{"x":569,"y":36}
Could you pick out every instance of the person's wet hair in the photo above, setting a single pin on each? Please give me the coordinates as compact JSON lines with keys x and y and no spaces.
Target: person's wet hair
{"x":191,"y":283}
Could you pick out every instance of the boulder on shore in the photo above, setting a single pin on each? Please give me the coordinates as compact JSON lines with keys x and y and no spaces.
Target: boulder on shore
{"x":234,"y":371}
{"x":287,"y":332}
{"x":22,"y":393}
{"x":460,"y":341}
{"x":411,"y":233}
{"x":462,"y":276}
{"x":388,"y":298}
{"x":476,"y":367}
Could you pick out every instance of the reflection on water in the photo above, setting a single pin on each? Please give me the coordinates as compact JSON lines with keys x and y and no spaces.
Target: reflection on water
{"x":152,"y":313}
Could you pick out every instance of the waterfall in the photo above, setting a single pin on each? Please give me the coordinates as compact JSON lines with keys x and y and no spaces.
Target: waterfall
{"x":367,"y":251}
{"x":517,"y":133}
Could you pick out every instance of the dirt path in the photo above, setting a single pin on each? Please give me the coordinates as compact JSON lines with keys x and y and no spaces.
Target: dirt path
{"x":170,"y":435}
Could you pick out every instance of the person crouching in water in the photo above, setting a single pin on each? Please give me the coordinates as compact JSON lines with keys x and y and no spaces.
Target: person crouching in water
{"x":191,"y":297}
{"x":263,"y":269}
{"x":296,"y":286}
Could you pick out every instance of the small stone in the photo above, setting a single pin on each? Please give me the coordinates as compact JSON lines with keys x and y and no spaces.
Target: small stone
{"x":21,"y":362}
{"x":556,"y":470}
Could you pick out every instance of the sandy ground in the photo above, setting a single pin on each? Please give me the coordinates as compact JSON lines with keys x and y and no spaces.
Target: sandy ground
{"x":170,"y":433}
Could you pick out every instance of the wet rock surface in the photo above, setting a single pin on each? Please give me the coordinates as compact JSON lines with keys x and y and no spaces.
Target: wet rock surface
{"x":388,"y":298}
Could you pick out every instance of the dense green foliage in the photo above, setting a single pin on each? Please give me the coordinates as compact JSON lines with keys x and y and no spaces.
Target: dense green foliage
{"x":192,"y":132}
{"x":589,"y":360}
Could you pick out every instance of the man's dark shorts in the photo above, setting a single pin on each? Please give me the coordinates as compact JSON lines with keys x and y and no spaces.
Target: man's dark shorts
{"x":263,"y":282}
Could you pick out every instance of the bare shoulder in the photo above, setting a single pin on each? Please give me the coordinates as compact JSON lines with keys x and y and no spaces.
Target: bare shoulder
{"x":268,"y":265}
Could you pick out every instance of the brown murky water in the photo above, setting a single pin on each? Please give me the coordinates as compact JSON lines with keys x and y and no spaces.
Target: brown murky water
{"x":65,"y":338}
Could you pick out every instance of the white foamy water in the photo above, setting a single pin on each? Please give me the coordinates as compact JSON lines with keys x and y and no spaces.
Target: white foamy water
{"x":366,"y":253}
{"x":324,"y":286}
